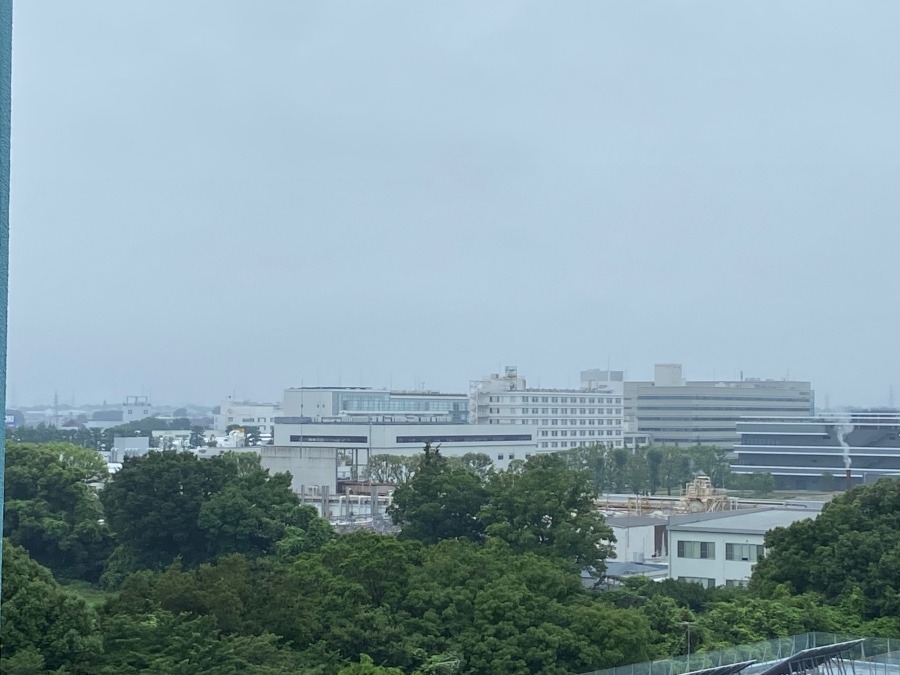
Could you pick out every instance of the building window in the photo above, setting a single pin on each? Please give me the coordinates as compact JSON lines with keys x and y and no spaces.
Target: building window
{"x":705,"y":550}
{"x":703,"y":581}
{"x":555,"y":399}
{"x":501,"y":457}
{"x":746,"y":552}
{"x":543,"y":399}
{"x":512,"y":455}
{"x":544,"y":444}
{"x":737,"y":583}
{"x":554,"y":444}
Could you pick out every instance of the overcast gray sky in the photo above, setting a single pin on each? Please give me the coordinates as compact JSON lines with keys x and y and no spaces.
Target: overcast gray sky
{"x":215,"y":197}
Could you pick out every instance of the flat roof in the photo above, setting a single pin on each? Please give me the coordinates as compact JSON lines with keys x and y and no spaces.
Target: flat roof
{"x":634,"y":521}
{"x":749,"y":521}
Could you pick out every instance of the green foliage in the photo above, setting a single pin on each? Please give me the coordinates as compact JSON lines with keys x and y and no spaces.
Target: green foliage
{"x":52,"y":511}
{"x":548,"y":509}
{"x":649,"y":469}
{"x":482,"y":608}
{"x":439,"y":501}
{"x":42,"y":625}
{"x":171,"y":505}
{"x":366,"y":666}
{"x":391,"y":468}
{"x":153,"y":504}
{"x":851,"y":550}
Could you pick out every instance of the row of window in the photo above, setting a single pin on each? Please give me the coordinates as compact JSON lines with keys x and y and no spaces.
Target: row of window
{"x":556,"y":422}
{"x":710,"y":583}
{"x":583,"y":432}
{"x":563,"y":411}
{"x":501,"y":456}
{"x":706,"y":550}
{"x":513,"y":412}
{"x":555,"y":399}
{"x":583,"y":444}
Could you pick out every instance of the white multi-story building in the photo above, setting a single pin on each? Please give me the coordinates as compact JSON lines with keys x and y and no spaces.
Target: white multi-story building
{"x":364,"y":404}
{"x":564,"y":418}
{"x":246,"y":414}
{"x":721,"y":548}
{"x":673,"y":411}
{"x":304,"y":447}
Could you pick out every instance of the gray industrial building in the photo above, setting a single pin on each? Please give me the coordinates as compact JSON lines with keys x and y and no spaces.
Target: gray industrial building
{"x":674,"y":411}
{"x":814,"y":453}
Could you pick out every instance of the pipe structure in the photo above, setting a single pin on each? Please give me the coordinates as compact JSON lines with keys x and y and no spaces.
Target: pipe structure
{"x":6,"y":17}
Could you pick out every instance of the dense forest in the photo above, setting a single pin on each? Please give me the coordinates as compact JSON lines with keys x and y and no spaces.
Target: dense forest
{"x":180,"y":565}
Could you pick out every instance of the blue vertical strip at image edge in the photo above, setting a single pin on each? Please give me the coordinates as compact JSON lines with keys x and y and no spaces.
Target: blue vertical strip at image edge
{"x":6,"y":17}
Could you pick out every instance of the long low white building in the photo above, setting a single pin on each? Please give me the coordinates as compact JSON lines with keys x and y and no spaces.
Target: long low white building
{"x":721,"y":548}
{"x":309,"y":449}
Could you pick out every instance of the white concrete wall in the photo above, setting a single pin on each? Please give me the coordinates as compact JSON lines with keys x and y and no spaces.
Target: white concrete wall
{"x":307,"y":466}
{"x":378,"y":439}
{"x":260,"y":415}
{"x":634,"y":543}
{"x":717,"y":568}
{"x":308,"y":403}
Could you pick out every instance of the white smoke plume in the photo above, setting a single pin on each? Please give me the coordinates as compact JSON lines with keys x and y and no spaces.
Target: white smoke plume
{"x":841,"y":431}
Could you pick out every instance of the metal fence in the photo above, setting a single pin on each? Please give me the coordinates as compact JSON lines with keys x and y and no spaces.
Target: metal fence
{"x":874,"y":656}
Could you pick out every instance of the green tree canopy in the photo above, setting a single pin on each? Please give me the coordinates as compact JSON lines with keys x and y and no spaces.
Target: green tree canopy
{"x":548,"y":509}
{"x":51,"y":509}
{"x":170,"y":505}
{"x":439,"y":502}
{"x":853,"y":547}
{"x":42,"y":626}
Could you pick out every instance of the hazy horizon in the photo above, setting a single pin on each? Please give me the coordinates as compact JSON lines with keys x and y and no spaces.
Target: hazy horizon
{"x":217,"y":197}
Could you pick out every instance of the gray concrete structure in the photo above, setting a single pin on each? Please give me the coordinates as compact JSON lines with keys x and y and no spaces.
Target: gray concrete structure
{"x":814,"y":453}
{"x":674,"y":411}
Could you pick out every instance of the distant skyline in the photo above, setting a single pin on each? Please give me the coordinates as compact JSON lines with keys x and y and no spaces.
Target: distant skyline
{"x":211,"y":197}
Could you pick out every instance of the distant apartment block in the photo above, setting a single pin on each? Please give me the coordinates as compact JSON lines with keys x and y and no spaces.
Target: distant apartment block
{"x":563,"y":418}
{"x":136,"y":408}
{"x":674,"y":411}
{"x":363,"y":404}
{"x":812,"y":452}
{"x":246,"y":414}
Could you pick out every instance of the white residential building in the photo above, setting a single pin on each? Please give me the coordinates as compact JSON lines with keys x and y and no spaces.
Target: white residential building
{"x":246,"y":413}
{"x":721,"y":548}
{"x":564,"y":418}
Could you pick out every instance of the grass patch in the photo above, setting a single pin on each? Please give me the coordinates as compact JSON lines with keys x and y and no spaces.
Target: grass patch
{"x":92,"y":595}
